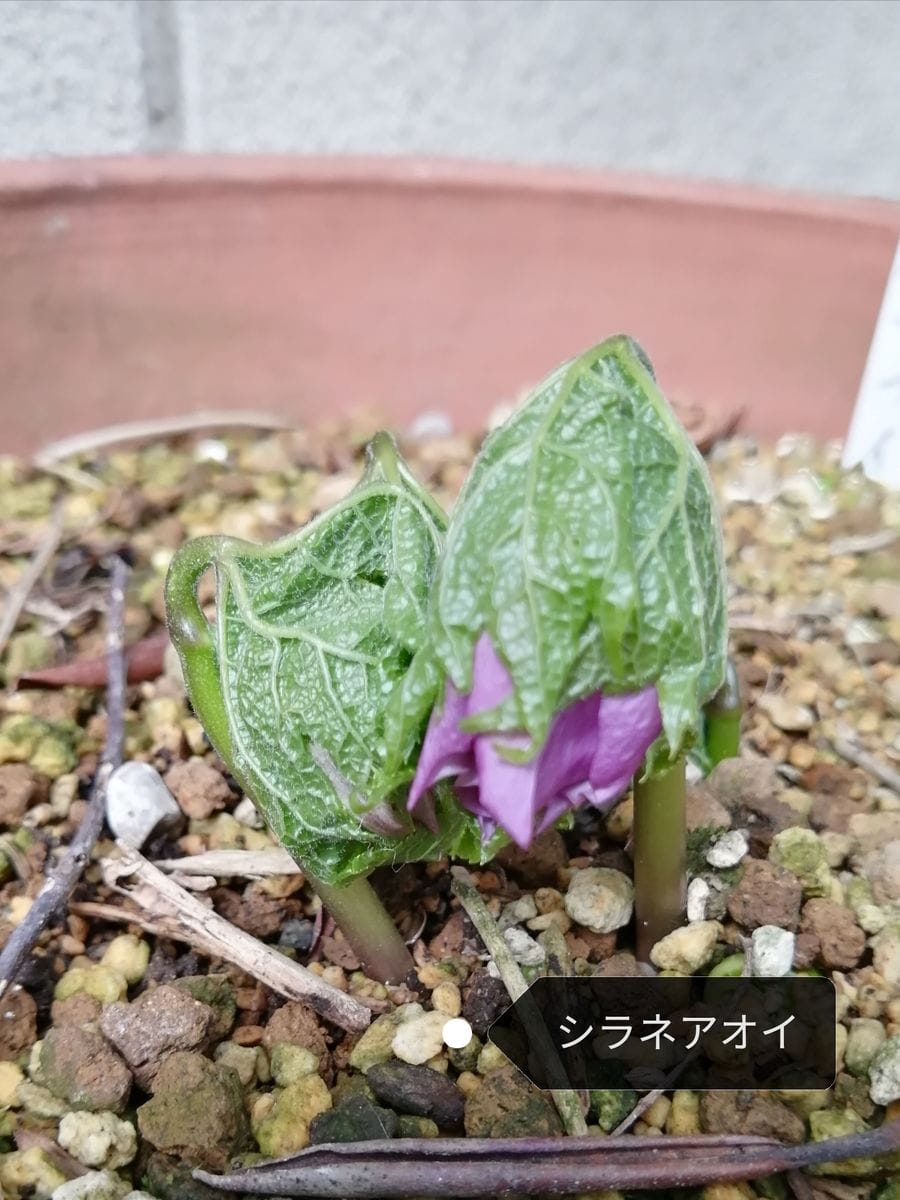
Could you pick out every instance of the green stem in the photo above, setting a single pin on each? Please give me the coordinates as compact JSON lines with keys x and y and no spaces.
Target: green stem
{"x":659,"y":856}
{"x":382,"y":451}
{"x":722,"y":729}
{"x":368,"y":928}
{"x":193,"y":637}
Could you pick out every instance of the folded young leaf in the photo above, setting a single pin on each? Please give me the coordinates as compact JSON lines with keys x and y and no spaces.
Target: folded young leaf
{"x":585,"y":544}
{"x":313,"y":635}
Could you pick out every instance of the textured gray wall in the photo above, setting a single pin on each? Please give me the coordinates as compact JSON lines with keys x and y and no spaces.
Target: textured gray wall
{"x":70,"y":78}
{"x":801,"y":93}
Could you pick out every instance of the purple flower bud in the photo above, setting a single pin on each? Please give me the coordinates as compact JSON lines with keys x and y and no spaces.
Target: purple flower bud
{"x":592,"y":750}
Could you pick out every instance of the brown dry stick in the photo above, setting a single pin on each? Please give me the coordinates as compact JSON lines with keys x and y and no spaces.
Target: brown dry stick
{"x":187,"y":919}
{"x":62,"y":877}
{"x":18,"y":595}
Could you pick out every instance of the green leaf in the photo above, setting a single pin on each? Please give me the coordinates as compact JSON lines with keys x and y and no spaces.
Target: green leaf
{"x":586,"y":543}
{"x":313,"y":636}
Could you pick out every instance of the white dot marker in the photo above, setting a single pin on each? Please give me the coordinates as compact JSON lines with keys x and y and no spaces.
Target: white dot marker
{"x":457,"y":1033}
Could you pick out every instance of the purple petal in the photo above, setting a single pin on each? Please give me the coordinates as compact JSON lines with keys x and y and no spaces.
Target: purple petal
{"x":557,"y":808}
{"x":513,"y":795}
{"x":507,"y":791}
{"x":566,"y":757}
{"x":603,"y":797}
{"x":592,"y":750}
{"x":447,"y":749}
{"x":491,"y":684}
{"x":626,"y":727}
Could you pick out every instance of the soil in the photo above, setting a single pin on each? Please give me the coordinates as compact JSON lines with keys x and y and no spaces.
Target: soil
{"x":813,"y":558}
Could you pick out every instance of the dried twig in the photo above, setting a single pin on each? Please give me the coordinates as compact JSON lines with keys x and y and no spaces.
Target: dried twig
{"x":741,"y":622}
{"x":164,"y":427}
{"x":118,"y":914}
{"x":70,"y":1166}
{"x":249,"y":864}
{"x":864,"y":543}
{"x":567,"y":1102}
{"x":861,"y":758}
{"x":18,"y":595}
{"x":649,"y":1099}
{"x":315,"y":948}
{"x":62,"y":879}
{"x":186,"y":919}
{"x":163,"y":927}
{"x":448,"y":1167}
{"x":645,"y":1102}
{"x":143,"y":660}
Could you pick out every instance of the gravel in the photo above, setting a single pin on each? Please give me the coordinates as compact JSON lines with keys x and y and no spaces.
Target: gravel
{"x":688,"y":949}
{"x":600,"y":898}
{"x":697,"y":899}
{"x":884,"y":1072}
{"x":138,"y":804}
{"x":816,"y":634}
{"x":155,"y":1025}
{"x":771,"y":951}
{"x":728,"y":850}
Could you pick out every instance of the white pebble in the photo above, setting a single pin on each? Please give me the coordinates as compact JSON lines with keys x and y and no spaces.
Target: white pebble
{"x":211,"y":450}
{"x":525,"y":950}
{"x":96,"y":1185}
{"x":786,"y":714}
{"x":697,"y":899}
{"x":432,"y":424}
{"x":728,"y":850}
{"x":246,"y":813}
{"x":600,"y":899}
{"x":771,"y":951}
{"x":98,"y":1139}
{"x":138,"y":803}
{"x":420,"y":1039}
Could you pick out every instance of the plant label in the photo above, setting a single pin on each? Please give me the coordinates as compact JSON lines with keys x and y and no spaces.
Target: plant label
{"x":874,"y":437}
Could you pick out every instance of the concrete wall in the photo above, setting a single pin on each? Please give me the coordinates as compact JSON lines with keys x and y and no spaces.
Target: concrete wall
{"x":800,"y":93}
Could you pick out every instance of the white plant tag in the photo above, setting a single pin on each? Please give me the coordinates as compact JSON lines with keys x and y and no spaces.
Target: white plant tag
{"x":874,"y":437}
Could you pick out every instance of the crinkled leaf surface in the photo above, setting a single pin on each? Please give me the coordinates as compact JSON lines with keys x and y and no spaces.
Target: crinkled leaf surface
{"x":586,"y":543}
{"x":313,"y":635}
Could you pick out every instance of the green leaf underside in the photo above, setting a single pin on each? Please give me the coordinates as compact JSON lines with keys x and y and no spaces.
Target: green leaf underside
{"x":314,"y":634}
{"x":586,"y":543}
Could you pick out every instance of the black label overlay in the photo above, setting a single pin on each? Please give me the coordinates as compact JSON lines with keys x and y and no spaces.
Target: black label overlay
{"x":697,"y":1033}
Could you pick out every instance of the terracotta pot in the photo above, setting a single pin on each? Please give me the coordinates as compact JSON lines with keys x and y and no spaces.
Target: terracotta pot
{"x":134,"y":288}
